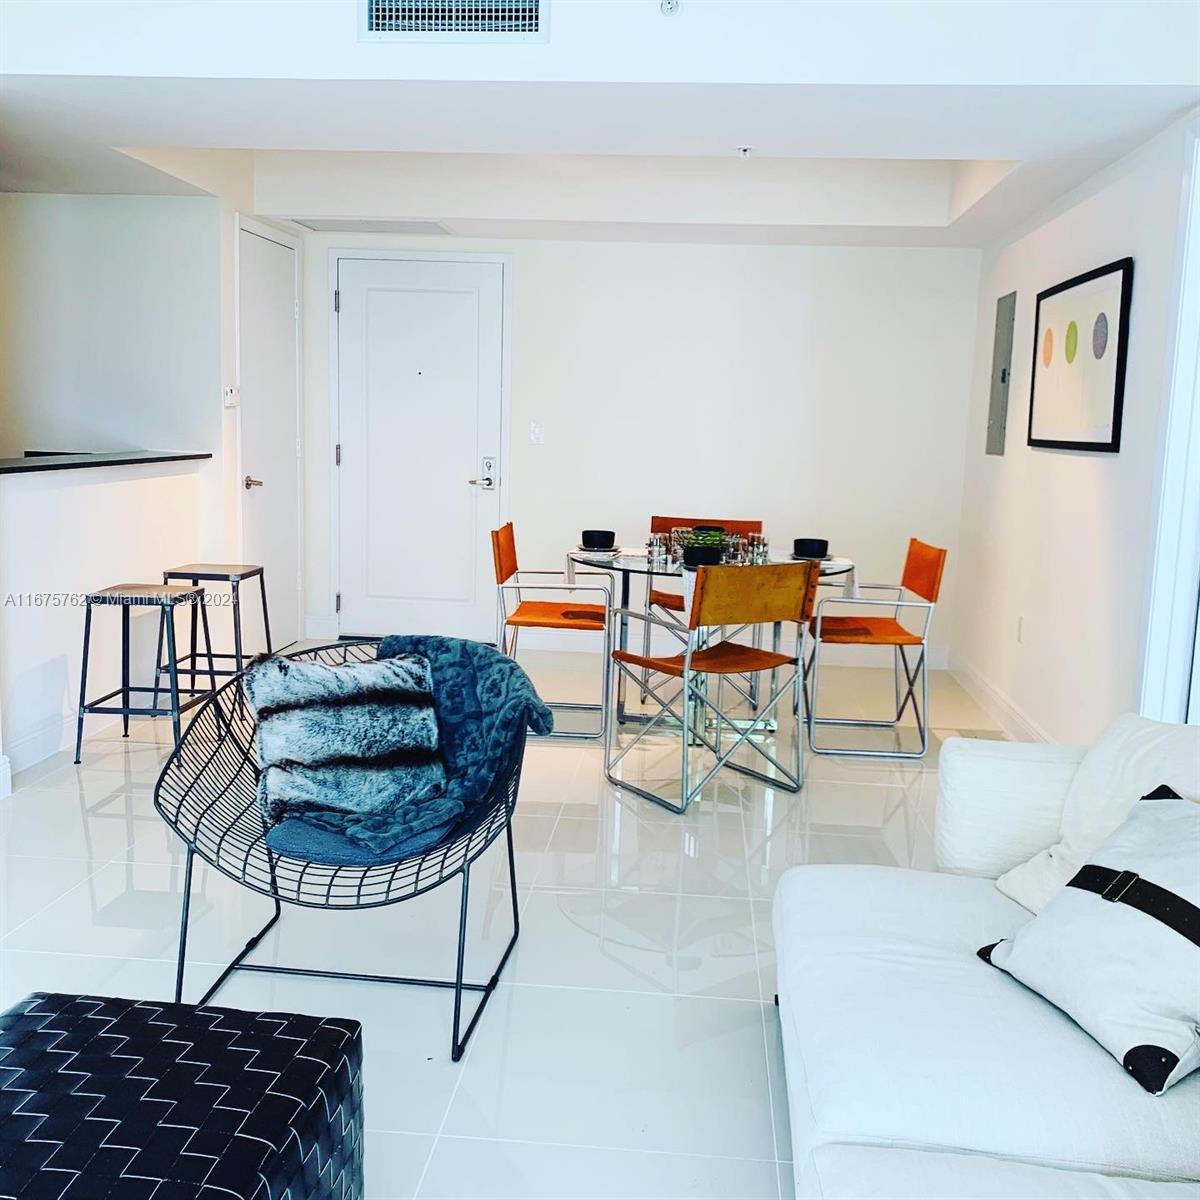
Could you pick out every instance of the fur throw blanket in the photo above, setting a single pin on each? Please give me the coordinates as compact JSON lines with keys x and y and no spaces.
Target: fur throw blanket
{"x":350,"y":741}
{"x":484,"y":703}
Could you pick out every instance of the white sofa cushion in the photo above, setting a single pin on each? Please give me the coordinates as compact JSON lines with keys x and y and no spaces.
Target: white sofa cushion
{"x":1127,"y":977}
{"x":843,"y":1172}
{"x":999,"y":803}
{"x":1132,"y":758}
{"x":895,"y":1033}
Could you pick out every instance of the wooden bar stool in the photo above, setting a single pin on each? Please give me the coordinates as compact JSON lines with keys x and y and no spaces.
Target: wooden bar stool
{"x":164,"y":597}
{"x":233,"y":574}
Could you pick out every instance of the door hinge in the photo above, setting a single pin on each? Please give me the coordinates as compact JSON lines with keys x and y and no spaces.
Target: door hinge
{"x":337,"y":602}
{"x":296,"y":310}
{"x":337,"y":455}
{"x":337,"y":300}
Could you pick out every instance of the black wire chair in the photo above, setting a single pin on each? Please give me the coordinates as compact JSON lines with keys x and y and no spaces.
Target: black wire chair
{"x":207,"y":794}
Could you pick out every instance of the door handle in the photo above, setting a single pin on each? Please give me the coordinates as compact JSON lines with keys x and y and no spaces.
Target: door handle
{"x":487,"y":474}
{"x":249,"y":483}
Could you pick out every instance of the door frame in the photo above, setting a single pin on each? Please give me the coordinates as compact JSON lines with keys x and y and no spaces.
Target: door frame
{"x":270,"y":233}
{"x":1171,"y":664}
{"x":335,"y":372}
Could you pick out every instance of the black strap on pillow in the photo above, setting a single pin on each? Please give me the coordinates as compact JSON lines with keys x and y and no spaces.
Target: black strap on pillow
{"x":1164,"y":791}
{"x":1127,"y":887}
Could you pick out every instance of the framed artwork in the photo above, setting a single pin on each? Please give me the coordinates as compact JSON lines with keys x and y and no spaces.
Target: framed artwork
{"x":1080,"y":343}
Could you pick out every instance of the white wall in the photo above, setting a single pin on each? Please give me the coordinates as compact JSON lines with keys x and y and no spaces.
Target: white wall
{"x":110,"y":330}
{"x":821,"y":389}
{"x":108,"y":323}
{"x":115,"y":315}
{"x":63,"y":534}
{"x":1065,"y":539}
{"x":228,"y":175}
{"x":465,"y":191}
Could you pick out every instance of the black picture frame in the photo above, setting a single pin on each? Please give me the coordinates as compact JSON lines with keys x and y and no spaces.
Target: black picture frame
{"x":1123,"y":266}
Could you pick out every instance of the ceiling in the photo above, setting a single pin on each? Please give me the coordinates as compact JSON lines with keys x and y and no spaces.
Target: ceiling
{"x":823,"y":43}
{"x":838,"y":121}
{"x":890,"y":89}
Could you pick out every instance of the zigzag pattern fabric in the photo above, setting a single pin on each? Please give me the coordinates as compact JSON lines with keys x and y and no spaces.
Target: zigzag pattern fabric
{"x":137,"y":1100}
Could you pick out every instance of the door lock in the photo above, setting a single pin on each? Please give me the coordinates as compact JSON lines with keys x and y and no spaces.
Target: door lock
{"x":249,"y":483}
{"x":487,"y":475}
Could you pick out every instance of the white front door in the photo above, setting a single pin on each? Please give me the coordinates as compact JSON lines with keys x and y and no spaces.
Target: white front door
{"x":420,"y":392}
{"x":269,"y":425}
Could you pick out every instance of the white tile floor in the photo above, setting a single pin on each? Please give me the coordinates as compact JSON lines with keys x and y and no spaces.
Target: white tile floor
{"x":630,"y":1051}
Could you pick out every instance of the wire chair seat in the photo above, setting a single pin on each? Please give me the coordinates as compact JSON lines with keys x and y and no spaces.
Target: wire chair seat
{"x":208,"y":794}
{"x":209,"y":797}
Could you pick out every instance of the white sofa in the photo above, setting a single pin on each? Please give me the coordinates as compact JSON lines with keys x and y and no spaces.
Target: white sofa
{"x":916,"y":1070}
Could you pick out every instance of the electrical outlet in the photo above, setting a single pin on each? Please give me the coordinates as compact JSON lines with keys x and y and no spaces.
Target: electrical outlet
{"x":537,"y":435}
{"x":231,"y":397}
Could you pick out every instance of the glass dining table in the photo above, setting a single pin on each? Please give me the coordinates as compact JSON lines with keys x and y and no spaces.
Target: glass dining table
{"x":628,"y":563}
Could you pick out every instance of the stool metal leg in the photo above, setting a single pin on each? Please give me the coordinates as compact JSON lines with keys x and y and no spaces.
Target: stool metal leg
{"x":212,"y":672}
{"x":192,"y":656}
{"x":173,"y":674}
{"x":158,"y":651}
{"x":262,"y":587}
{"x":87,"y":638}
{"x":125,"y":669}
{"x":237,"y":625}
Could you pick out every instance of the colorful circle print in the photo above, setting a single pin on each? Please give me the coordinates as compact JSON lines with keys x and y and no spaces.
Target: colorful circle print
{"x":1048,"y":348}
{"x":1100,"y":336}
{"x":1071,"y":343}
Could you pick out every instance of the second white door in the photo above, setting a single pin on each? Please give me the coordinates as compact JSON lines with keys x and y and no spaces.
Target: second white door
{"x":420,"y":402}
{"x":268,"y":313}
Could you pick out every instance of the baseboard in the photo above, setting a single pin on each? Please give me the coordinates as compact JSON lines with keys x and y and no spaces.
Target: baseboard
{"x":46,"y":741}
{"x":324,"y":627}
{"x":5,"y":776}
{"x":1018,"y":724}
{"x":47,"y":746}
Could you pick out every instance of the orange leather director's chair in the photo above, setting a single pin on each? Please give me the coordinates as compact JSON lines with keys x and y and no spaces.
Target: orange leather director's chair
{"x":549,"y":614}
{"x":722,"y":597}
{"x":916,"y":593}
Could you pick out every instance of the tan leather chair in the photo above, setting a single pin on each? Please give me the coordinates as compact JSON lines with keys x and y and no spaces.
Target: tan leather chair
{"x":732,"y":596}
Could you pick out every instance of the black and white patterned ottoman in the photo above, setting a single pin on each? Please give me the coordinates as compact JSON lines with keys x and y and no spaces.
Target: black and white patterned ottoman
{"x":135,"y":1100}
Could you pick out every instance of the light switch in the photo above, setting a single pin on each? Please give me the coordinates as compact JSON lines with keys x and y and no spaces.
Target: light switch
{"x":536,"y":434}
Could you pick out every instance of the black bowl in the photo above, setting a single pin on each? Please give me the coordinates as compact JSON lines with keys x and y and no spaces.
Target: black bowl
{"x":598,"y":539}
{"x":702,"y":556}
{"x":810,"y":547}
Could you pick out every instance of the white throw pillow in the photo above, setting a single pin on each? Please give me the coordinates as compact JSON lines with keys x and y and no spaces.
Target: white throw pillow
{"x":1118,"y":950}
{"x":1132,"y":757}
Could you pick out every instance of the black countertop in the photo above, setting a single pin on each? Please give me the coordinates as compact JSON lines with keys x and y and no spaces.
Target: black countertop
{"x":39,"y":461}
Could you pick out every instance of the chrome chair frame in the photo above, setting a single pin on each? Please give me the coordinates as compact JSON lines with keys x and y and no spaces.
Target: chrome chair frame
{"x":508,"y":645}
{"x":670,"y":620}
{"x":900,"y":663}
{"x":692,"y":720}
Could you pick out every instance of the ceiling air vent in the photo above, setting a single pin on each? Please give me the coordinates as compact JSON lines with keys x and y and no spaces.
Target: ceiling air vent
{"x":455,"y":20}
